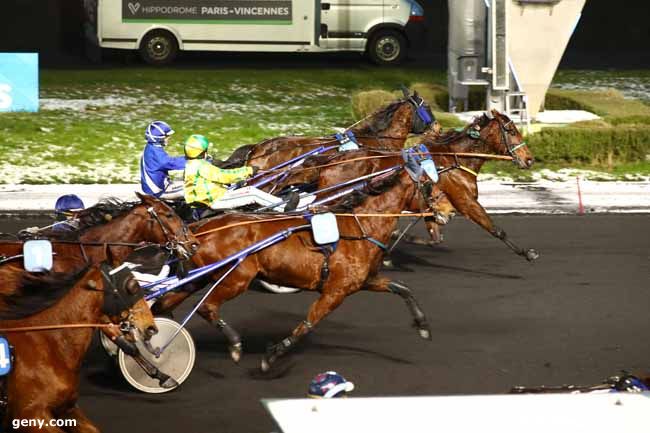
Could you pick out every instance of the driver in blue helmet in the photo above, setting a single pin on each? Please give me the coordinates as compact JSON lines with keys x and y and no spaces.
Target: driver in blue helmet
{"x":155,"y":163}
{"x":64,"y":209}
{"x":329,"y":385}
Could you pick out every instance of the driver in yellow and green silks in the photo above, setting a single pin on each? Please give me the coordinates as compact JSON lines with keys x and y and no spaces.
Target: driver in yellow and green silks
{"x":208,"y":185}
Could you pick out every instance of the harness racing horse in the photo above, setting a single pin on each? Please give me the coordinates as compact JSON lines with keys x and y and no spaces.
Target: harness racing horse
{"x":334,"y":272}
{"x":109,"y":230}
{"x":352,"y":164}
{"x":387,"y":129}
{"x":43,"y":383}
{"x":458,"y":174}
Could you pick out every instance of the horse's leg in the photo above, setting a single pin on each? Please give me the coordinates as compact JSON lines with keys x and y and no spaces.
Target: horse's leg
{"x":116,"y":336}
{"x":325,"y":304}
{"x":398,"y":235}
{"x":386,"y":285}
{"x":168,"y":302}
{"x":474,"y":211}
{"x":82,"y":423}
{"x":234,"y":285}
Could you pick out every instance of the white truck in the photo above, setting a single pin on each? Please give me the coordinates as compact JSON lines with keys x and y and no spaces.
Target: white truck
{"x":159,"y":29}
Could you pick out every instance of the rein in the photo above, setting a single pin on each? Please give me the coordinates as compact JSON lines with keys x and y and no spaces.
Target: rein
{"x":351,"y":215}
{"x":52,"y":327}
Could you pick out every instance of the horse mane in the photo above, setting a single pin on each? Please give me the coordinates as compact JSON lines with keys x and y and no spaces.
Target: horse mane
{"x":453,"y":135}
{"x":38,"y":292}
{"x":375,"y":187}
{"x":380,"y":120}
{"x":101,"y":213}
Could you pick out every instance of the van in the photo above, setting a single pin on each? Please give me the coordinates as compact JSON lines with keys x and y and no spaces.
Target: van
{"x":159,"y":29}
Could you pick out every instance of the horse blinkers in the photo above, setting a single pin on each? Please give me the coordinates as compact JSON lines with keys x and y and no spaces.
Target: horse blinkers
{"x":121,"y":290}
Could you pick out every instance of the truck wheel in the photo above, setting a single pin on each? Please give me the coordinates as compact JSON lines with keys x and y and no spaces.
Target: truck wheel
{"x":387,"y":47}
{"x":158,"y":47}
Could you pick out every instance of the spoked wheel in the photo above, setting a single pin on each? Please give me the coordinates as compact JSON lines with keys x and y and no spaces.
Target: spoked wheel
{"x":176,"y":361}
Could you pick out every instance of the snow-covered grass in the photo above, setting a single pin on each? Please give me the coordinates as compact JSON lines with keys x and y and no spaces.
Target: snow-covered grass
{"x":90,"y":127}
{"x":91,"y":124}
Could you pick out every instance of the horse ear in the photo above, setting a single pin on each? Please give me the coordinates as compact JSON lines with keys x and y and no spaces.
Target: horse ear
{"x":144,"y":198}
{"x":495,"y":113}
{"x":405,"y":91}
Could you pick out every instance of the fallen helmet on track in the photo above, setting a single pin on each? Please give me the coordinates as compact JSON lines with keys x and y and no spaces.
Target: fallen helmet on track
{"x":329,"y":385}
{"x":157,"y":132}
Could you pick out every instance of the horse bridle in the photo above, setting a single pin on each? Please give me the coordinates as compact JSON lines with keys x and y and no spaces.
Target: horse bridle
{"x":506,"y":131}
{"x":173,"y":244}
{"x":419,"y":110}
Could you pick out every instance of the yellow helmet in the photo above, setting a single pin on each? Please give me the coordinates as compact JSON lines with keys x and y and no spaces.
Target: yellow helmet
{"x":195,"y":146}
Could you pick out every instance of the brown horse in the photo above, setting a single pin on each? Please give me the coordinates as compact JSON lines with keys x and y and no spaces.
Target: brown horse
{"x":496,"y":135}
{"x":109,"y":230}
{"x":387,"y":128}
{"x":43,"y":384}
{"x":297,"y":262}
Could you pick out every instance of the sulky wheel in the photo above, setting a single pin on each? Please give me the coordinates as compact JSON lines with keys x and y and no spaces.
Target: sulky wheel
{"x":176,"y":361}
{"x":109,"y":347}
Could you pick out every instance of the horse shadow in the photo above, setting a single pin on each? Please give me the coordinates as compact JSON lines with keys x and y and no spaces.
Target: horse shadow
{"x":402,"y":258}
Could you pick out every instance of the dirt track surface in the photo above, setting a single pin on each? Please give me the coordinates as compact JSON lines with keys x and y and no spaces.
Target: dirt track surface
{"x":577,"y":315}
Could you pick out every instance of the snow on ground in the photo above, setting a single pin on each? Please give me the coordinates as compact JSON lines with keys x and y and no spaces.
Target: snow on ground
{"x":498,"y":196}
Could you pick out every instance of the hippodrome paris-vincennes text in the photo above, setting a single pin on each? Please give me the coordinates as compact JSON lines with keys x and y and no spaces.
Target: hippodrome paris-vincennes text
{"x":216,"y":10}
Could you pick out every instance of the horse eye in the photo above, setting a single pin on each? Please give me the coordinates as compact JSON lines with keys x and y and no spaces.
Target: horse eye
{"x":170,"y":215}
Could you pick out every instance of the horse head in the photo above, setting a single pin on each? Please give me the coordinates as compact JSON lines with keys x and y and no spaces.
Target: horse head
{"x":502,"y":136}
{"x":166,"y":227}
{"x":422,"y":117}
{"x":124,"y":302}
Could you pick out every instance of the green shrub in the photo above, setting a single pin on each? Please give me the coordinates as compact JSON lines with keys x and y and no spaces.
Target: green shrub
{"x":598,"y":146}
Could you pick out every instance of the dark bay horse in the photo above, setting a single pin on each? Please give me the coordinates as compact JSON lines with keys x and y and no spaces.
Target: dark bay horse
{"x":109,"y":230}
{"x":43,"y":384}
{"x":387,"y":128}
{"x":297,"y":262}
{"x":497,"y":135}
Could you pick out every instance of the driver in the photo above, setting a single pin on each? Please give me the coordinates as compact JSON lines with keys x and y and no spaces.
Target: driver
{"x":155,"y":163}
{"x":206,"y":184}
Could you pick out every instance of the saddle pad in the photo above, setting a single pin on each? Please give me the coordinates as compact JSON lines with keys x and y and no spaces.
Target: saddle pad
{"x":5,"y":357}
{"x":325,"y":228}
{"x":37,"y":255}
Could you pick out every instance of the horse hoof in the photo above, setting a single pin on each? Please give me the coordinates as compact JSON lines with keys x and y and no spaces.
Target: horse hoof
{"x":169,"y":383}
{"x":531,"y":255}
{"x":425,"y":334}
{"x":236,"y":352}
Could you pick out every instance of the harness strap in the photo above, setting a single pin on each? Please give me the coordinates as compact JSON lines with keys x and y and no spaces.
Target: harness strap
{"x":468,"y":170}
{"x":325,"y":268}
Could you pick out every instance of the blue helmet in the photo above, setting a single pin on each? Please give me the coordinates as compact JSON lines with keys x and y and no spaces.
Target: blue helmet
{"x":68,"y":202}
{"x":157,"y":132}
{"x":329,"y":385}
